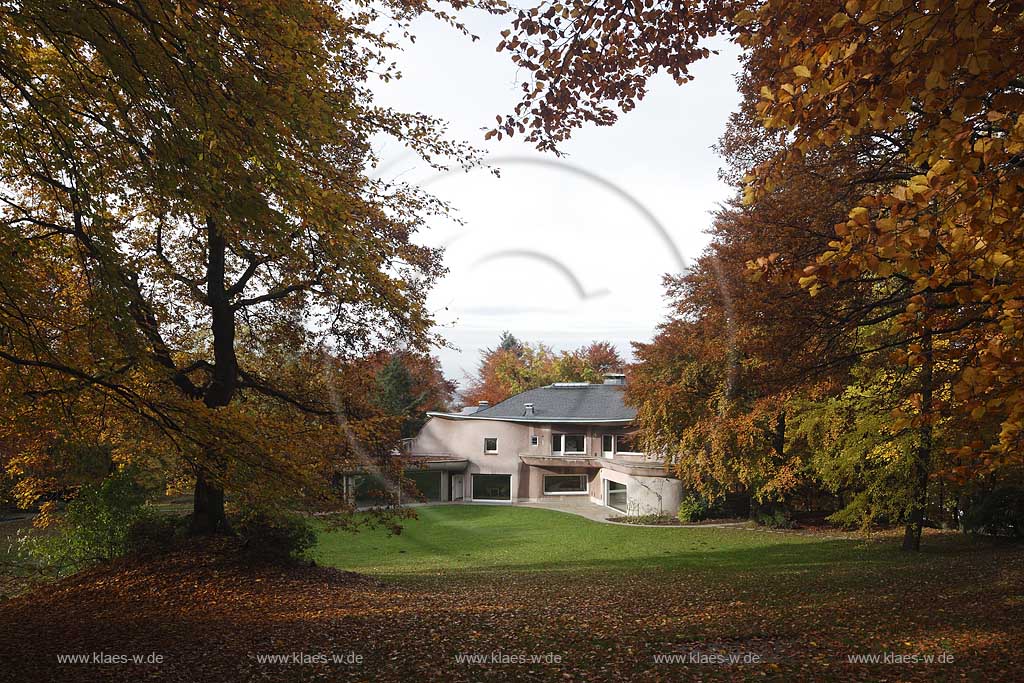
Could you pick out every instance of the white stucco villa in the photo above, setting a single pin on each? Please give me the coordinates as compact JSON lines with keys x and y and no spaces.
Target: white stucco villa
{"x":548,"y":444}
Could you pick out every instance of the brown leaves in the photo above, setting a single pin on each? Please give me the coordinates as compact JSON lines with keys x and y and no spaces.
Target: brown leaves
{"x":803,"y":615}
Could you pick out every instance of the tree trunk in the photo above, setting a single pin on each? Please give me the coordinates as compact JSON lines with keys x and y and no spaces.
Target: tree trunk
{"x":922,"y":459}
{"x":208,"y":502}
{"x":779,"y":436}
{"x":915,"y":522}
{"x":208,"y":507}
{"x":943,"y":517}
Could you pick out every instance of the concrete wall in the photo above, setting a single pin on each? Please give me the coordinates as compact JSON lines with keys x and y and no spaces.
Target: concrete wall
{"x":645,"y":495}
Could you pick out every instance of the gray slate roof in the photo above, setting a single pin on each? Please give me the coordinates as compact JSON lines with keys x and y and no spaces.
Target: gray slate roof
{"x":590,"y":402}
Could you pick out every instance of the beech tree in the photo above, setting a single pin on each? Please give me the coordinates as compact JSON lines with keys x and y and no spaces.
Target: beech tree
{"x":189,"y":228}
{"x":939,"y":81}
{"x":743,"y":340}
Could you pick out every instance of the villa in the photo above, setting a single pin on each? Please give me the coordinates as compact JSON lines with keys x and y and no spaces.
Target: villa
{"x":548,"y":444}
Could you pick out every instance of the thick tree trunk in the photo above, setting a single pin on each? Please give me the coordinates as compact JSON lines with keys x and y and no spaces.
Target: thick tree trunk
{"x":923,"y":456}
{"x":208,"y":502}
{"x":208,"y":508}
{"x":915,"y":522}
{"x":779,"y":435}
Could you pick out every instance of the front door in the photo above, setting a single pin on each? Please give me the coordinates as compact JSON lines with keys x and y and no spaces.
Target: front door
{"x":457,"y":485}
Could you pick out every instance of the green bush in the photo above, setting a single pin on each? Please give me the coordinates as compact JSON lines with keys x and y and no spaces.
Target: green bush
{"x":93,"y":528}
{"x":775,"y":518}
{"x":999,"y":513}
{"x":692,"y":509}
{"x":273,"y":535}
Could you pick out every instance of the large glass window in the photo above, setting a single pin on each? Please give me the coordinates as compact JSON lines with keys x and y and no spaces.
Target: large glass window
{"x":373,"y":489}
{"x":557,"y":484}
{"x":615,"y":495}
{"x":427,"y":483}
{"x":573,"y":442}
{"x":628,"y":443}
{"x":492,"y":487}
{"x":568,"y":443}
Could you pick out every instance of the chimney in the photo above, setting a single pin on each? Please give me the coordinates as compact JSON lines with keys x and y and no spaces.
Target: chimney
{"x":527,"y":410}
{"x":484,"y":405}
{"x":615,"y":378}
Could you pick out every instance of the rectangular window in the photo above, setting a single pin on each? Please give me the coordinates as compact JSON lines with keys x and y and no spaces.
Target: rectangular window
{"x":615,"y":495}
{"x":628,"y":443}
{"x":556,"y":443}
{"x":492,"y":487}
{"x":574,"y":443}
{"x":559,"y":484}
{"x":534,"y":440}
{"x":608,"y":444}
{"x":490,"y":444}
{"x":425,"y":483}
{"x":374,"y":489}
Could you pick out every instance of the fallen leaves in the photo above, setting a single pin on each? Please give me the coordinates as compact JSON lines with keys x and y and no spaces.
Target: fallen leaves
{"x":212,"y":617}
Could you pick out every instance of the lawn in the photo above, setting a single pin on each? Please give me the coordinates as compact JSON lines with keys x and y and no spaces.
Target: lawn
{"x":502,"y":539}
{"x":16,"y":575}
{"x":546,"y":596}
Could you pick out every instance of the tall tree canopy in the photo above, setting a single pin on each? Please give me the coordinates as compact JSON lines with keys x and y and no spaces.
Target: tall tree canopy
{"x":931,"y":88}
{"x":408,"y":385}
{"x":515,"y":366}
{"x":190,"y":235}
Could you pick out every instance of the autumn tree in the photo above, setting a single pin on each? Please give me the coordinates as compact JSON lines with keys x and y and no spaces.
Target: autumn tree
{"x":742,"y":340}
{"x":190,"y":231}
{"x":946,"y":74}
{"x":515,"y":366}
{"x":410,"y":384}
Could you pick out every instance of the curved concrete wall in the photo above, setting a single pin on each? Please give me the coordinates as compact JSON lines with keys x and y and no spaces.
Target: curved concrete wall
{"x":647,"y":495}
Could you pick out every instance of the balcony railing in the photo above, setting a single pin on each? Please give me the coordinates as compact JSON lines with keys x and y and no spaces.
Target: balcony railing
{"x":624,"y":457}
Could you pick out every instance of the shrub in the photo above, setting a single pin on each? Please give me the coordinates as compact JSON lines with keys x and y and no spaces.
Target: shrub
{"x":645,"y":519}
{"x":999,"y":513}
{"x":153,"y":532}
{"x":94,"y":526}
{"x":692,"y":509}
{"x":273,"y":535}
{"x":775,"y":518}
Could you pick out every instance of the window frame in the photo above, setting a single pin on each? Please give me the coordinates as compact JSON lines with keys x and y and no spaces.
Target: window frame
{"x":472,"y":487}
{"x":486,"y":450}
{"x":608,"y":494}
{"x":581,"y":477}
{"x":560,"y":437}
{"x":617,"y":436}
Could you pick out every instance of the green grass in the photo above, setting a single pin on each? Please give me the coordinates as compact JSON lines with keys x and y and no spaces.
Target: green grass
{"x":478,"y":538}
{"x":607,"y":599}
{"x":17,"y":574}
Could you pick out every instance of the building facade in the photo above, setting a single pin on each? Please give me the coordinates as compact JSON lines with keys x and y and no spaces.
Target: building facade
{"x":557,"y":442}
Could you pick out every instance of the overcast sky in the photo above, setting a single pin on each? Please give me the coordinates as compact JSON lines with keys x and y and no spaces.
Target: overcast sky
{"x":570,"y":250}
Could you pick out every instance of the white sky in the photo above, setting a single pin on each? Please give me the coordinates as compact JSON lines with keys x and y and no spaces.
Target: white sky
{"x":545,"y":252}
